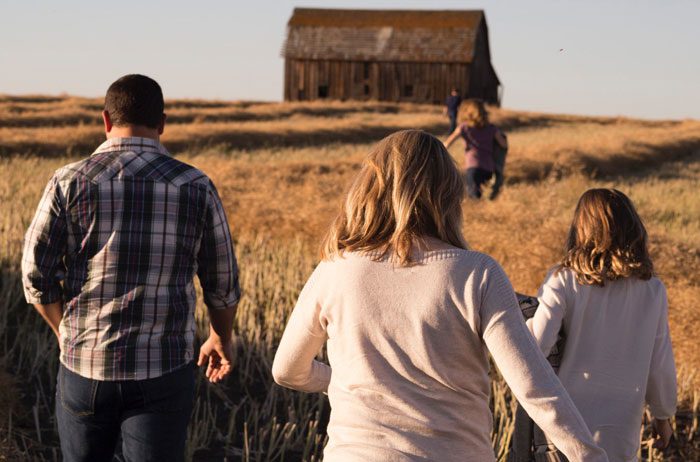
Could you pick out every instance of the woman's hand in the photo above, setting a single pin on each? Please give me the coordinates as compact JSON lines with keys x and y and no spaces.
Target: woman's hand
{"x":662,"y":432}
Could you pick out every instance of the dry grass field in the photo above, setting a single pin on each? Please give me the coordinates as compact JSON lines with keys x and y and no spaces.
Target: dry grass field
{"x":281,"y":170}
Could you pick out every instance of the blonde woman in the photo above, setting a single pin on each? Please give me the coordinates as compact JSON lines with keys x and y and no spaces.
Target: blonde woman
{"x":615,"y":315}
{"x":409,"y":315}
{"x":479,"y":137}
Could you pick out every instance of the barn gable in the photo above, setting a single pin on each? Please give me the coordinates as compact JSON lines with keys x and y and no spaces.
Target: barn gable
{"x":389,"y":55}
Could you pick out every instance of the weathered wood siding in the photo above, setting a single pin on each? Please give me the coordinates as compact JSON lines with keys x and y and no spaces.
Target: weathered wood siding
{"x":307,"y":80}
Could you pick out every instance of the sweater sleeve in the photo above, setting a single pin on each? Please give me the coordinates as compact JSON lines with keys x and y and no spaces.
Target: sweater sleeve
{"x":295,"y":365}
{"x":546,"y":323}
{"x":525,"y":369}
{"x":661,"y":395}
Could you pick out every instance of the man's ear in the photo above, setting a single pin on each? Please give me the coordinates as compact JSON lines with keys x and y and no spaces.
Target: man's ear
{"x":161,"y":125}
{"x":107,"y":121}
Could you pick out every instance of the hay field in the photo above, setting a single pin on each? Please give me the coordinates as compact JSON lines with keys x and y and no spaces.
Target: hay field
{"x":281,"y":170}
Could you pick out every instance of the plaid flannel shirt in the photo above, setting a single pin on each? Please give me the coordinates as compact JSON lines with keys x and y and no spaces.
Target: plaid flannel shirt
{"x":118,"y":237}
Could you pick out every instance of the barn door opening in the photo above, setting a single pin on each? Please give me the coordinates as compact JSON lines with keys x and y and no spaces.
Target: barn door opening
{"x":323,"y":91}
{"x":300,"y":75}
{"x":367,"y":80}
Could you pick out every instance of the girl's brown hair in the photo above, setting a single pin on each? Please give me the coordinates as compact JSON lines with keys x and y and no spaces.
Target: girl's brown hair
{"x":408,"y":188}
{"x":475,"y":114}
{"x":607,"y":239}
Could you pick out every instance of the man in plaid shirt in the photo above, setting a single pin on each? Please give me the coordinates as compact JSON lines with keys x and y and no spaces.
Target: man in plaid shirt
{"x":109,"y":262}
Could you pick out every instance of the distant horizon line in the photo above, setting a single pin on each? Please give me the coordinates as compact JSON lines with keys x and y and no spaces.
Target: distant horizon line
{"x":281,"y":101}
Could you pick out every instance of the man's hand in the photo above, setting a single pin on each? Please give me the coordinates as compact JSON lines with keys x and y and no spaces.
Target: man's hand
{"x":662,"y":432}
{"x":217,"y":351}
{"x":217,"y":354}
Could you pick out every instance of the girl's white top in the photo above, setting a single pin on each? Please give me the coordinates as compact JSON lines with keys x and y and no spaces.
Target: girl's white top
{"x":617,"y":353}
{"x":407,"y":348}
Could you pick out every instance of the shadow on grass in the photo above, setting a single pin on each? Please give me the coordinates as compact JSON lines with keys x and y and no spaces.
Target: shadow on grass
{"x":523,"y":121}
{"x":236,"y":139}
{"x":247,"y":140}
{"x":636,"y":160}
{"x":241,"y":114}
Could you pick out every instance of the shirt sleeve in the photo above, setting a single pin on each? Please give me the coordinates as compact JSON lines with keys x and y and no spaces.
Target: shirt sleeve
{"x":549,"y":316}
{"x":295,"y":365}
{"x":217,"y":268}
{"x":527,"y":372}
{"x":661,"y":394}
{"x":45,"y":248}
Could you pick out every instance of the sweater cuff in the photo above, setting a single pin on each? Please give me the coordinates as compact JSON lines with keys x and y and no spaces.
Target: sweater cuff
{"x":661,"y":414}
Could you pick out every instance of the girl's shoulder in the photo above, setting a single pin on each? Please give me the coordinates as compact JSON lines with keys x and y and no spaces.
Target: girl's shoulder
{"x":493,"y":128}
{"x":561,"y":275}
{"x":653,"y":286}
{"x":485,"y":131}
{"x":567,"y":276}
{"x":656,"y":283}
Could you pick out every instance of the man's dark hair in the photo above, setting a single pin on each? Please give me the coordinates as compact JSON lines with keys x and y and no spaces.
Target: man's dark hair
{"x":135,"y":100}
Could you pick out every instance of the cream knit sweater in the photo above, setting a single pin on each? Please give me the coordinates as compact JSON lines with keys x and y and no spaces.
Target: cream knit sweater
{"x":408,"y":353}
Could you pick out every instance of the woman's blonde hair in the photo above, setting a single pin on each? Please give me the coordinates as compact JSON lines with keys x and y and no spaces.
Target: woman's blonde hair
{"x":408,"y":188}
{"x":607,"y":239}
{"x":474,"y":113}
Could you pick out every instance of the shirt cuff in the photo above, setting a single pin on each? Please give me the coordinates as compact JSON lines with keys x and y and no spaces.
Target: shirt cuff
{"x":35,"y":296}
{"x":219,"y":302}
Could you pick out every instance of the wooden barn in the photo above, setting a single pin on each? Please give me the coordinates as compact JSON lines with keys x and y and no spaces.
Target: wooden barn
{"x":387,"y":55}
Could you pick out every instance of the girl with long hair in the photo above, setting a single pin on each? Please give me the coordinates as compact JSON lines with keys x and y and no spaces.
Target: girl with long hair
{"x":409,"y":315}
{"x":613,"y":311}
{"x":480,"y":137}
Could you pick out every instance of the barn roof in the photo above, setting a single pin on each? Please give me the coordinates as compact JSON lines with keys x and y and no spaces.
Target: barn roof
{"x":382,"y":35}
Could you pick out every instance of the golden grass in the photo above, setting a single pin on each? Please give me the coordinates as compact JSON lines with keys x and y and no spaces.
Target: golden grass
{"x":281,"y":170}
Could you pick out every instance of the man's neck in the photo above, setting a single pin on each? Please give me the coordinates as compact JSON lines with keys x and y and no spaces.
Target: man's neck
{"x":129,"y":131}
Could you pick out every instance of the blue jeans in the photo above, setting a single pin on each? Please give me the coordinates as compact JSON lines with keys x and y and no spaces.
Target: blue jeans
{"x":453,"y":122}
{"x":151,"y":416}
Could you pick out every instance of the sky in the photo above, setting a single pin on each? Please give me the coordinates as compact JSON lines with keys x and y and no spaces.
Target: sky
{"x":636,"y":58}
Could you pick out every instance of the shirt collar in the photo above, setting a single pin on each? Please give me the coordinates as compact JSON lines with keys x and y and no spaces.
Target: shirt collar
{"x":133,"y":143}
